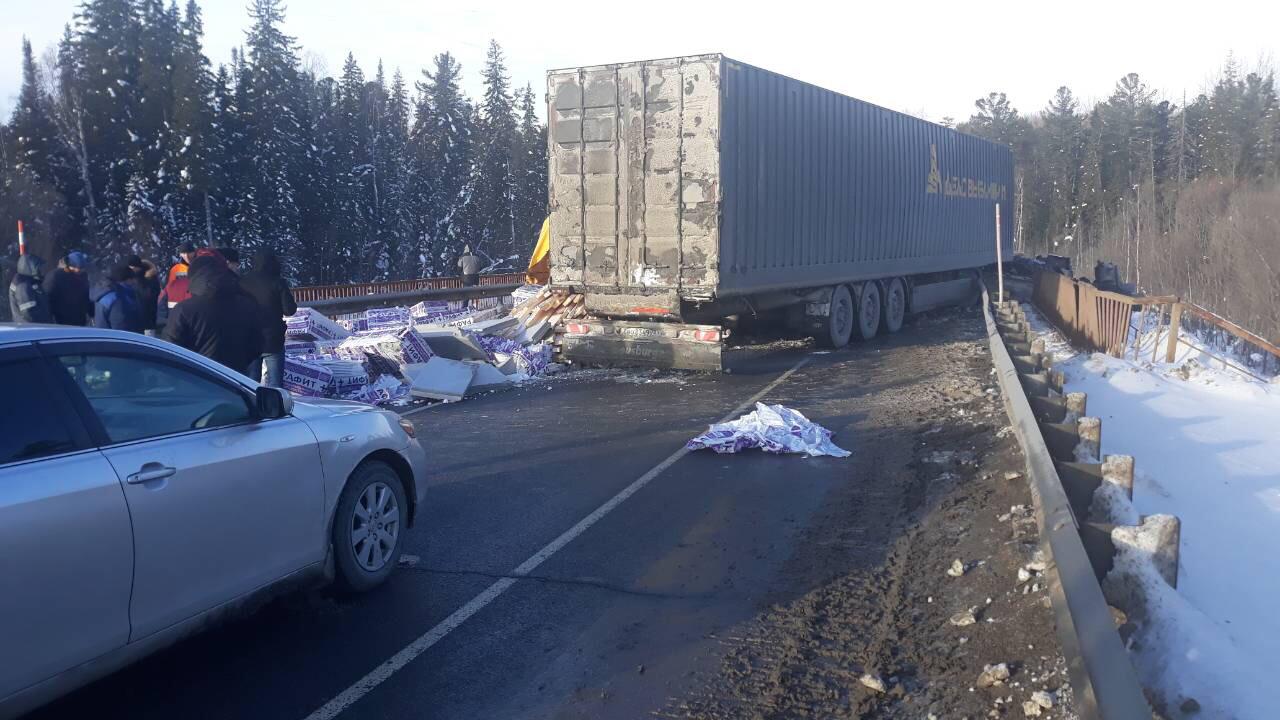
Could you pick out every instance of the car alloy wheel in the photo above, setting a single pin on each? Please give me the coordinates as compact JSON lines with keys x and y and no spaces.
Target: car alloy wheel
{"x":375,"y":526}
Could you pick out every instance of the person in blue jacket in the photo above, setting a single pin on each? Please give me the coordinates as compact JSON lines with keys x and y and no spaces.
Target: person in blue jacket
{"x":115,"y":306}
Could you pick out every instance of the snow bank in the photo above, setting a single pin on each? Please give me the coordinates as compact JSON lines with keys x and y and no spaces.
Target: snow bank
{"x":1206,"y":440}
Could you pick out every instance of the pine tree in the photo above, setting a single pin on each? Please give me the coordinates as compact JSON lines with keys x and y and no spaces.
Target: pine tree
{"x":440,"y":154}
{"x":356,"y":207}
{"x":39,"y":165}
{"x":494,"y":232}
{"x":107,"y":44}
{"x":529,"y":163}
{"x":397,"y":229}
{"x":270,"y":109}
{"x":1063,"y":155}
{"x":193,"y":152}
{"x":325,"y":239}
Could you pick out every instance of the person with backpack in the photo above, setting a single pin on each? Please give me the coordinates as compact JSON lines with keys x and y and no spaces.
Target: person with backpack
{"x":271,"y":291}
{"x":27,"y":301}
{"x":115,"y":305}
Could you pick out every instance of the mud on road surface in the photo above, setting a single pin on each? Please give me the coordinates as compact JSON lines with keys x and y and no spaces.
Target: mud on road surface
{"x":888,"y":627}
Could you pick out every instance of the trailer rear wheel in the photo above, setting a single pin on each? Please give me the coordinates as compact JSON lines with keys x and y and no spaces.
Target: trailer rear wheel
{"x":895,"y":305}
{"x":869,"y":310}
{"x":839,"y":325}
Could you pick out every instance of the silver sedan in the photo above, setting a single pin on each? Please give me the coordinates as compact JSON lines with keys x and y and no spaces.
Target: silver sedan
{"x":146,"y":491}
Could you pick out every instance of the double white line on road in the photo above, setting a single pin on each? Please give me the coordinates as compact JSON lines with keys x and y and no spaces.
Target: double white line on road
{"x":380,"y":674}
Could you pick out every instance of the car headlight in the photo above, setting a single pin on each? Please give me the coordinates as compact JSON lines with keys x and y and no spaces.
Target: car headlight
{"x":407,"y":426}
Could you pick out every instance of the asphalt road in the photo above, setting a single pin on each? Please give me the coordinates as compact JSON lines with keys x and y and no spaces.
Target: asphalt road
{"x":617,"y":622}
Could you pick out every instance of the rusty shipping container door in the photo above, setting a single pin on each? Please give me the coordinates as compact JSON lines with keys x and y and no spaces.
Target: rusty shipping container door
{"x":702,"y":177}
{"x":634,"y":154}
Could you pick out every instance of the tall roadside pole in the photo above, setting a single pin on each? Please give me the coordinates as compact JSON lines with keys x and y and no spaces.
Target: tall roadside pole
{"x":999,"y":260}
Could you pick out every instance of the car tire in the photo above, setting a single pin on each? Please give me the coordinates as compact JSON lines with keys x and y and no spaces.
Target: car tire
{"x":368,"y":527}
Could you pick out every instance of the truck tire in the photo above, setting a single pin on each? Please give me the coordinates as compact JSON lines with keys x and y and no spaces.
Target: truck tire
{"x":869,"y":310}
{"x":895,"y":305}
{"x":838,"y":327}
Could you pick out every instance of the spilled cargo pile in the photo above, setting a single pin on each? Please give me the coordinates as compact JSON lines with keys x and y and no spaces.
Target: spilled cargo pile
{"x":433,"y":351}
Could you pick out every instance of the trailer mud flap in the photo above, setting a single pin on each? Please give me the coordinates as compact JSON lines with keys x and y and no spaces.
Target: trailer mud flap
{"x":642,"y":344}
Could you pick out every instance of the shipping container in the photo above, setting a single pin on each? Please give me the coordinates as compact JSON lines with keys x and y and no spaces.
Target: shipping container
{"x":689,"y":188}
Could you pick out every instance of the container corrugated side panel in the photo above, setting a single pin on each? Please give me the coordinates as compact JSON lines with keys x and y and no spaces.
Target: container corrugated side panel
{"x":634,"y":151}
{"x":821,"y":188}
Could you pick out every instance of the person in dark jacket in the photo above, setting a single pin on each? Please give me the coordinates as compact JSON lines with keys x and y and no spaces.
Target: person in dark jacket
{"x":219,"y":320}
{"x":27,"y":301}
{"x":272,"y":293}
{"x":146,"y":285}
{"x":68,"y":291}
{"x":115,"y":306}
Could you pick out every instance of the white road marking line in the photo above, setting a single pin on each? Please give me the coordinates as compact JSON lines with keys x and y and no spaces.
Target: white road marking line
{"x":380,"y":674}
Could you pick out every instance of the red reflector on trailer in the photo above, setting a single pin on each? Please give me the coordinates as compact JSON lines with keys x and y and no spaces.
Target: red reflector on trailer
{"x":649,"y":311}
{"x":707,"y":335}
{"x":577,"y":329}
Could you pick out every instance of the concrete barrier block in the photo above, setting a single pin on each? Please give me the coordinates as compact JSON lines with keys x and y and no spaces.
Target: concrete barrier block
{"x":1156,"y":538}
{"x":1076,"y":404}
{"x":1118,"y":470}
{"x":1090,"y":445}
{"x":1057,"y":380}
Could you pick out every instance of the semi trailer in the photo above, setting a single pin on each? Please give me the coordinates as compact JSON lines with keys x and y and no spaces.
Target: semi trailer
{"x":688,"y":191}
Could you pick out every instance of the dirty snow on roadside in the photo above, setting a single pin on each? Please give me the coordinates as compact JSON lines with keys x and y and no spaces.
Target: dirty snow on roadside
{"x":1206,"y":443}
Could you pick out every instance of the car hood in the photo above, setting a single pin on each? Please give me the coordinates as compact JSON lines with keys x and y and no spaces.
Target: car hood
{"x":308,"y":408}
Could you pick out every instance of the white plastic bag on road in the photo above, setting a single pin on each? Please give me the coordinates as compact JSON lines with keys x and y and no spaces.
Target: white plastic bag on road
{"x":772,"y":428}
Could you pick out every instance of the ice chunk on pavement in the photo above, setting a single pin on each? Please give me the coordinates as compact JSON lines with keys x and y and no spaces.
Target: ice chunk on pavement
{"x":772,"y":428}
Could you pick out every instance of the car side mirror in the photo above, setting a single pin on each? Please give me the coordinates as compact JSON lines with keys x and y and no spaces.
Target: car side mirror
{"x":273,"y":402}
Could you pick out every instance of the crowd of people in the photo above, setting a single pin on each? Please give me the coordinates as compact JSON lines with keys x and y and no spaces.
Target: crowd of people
{"x":204,"y":303}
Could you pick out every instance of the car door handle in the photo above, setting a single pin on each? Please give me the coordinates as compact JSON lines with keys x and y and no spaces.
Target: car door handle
{"x":155,"y":473}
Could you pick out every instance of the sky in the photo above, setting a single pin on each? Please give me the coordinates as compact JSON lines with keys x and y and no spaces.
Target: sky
{"x":928,"y":59}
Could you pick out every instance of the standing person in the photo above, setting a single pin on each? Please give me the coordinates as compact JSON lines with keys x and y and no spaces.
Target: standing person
{"x":68,"y":291}
{"x":470,"y":265}
{"x":115,"y":305}
{"x":271,"y":291}
{"x":177,"y":286}
{"x":27,"y":301}
{"x":218,"y":321}
{"x":146,"y":285}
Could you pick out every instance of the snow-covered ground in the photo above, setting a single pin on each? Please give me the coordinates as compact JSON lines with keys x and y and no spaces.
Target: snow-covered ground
{"x":1206,"y":443}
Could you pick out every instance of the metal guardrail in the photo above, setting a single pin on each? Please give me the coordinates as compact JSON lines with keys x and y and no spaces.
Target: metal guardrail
{"x":311,"y":293}
{"x":344,"y":305}
{"x":1103,"y":680}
